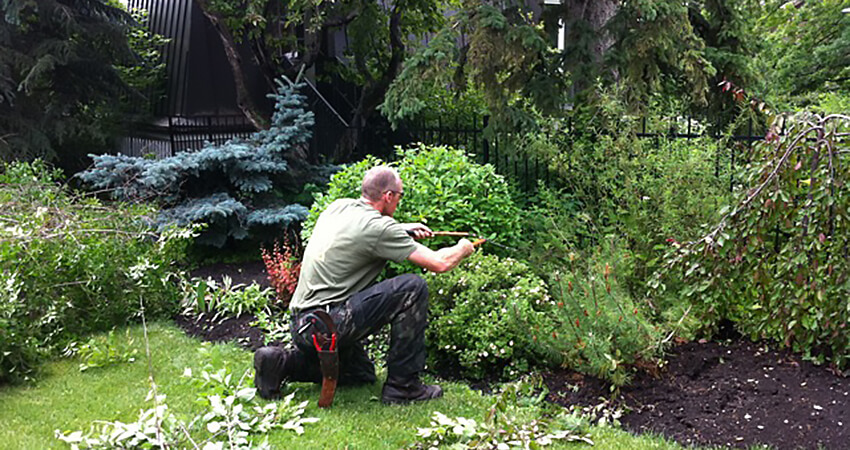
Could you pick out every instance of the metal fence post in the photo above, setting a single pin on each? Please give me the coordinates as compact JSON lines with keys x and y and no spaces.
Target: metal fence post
{"x":485,"y":143}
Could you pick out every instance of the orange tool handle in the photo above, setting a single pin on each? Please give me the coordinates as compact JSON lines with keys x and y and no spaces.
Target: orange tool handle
{"x":451,"y":233}
{"x":478,"y":242}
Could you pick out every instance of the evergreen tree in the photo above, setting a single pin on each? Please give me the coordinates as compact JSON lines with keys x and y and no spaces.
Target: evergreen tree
{"x":647,"y":48}
{"x":58,"y":76}
{"x":240,"y":189}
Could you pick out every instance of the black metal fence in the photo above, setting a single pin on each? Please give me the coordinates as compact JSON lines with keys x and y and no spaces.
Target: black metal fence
{"x":174,"y":134}
{"x":169,"y":135}
{"x":525,"y":171}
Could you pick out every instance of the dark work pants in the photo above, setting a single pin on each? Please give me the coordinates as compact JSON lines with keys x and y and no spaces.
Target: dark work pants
{"x":401,"y":302}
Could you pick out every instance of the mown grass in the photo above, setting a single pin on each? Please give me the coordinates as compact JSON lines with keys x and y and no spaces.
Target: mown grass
{"x":65,"y":398}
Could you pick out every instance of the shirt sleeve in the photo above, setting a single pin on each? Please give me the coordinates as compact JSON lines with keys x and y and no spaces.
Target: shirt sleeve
{"x":394,"y":243}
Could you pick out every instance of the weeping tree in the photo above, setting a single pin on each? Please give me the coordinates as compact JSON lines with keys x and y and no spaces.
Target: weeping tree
{"x":244,"y":188}
{"x":59,"y":78}
{"x":778,"y":262}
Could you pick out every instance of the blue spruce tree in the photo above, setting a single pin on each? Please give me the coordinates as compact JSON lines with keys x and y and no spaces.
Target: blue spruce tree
{"x":238,"y":189}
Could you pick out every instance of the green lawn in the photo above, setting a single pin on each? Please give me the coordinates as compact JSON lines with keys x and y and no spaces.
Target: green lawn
{"x":67,"y":399}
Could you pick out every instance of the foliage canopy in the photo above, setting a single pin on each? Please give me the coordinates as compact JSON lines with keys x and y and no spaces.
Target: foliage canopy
{"x":60,"y":76}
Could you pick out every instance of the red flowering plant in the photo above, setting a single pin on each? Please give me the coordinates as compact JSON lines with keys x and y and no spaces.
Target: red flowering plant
{"x":283,"y":266}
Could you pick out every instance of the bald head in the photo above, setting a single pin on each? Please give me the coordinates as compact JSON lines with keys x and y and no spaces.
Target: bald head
{"x":379,"y":180}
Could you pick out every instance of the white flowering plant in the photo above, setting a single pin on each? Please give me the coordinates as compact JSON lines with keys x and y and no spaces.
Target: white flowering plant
{"x":484,"y":315}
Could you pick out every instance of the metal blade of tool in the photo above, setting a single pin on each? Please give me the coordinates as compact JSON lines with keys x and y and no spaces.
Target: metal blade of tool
{"x":479,"y":239}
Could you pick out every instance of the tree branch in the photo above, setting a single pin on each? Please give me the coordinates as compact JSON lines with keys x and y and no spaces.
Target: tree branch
{"x":243,"y":95}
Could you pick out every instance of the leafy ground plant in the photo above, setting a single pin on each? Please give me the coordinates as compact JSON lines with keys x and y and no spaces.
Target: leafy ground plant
{"x":501,"y":428}
{"x":103,"y":351}
{"x":232,"y":419}
{"x":224,"y":299}
{"x":211,"y":303}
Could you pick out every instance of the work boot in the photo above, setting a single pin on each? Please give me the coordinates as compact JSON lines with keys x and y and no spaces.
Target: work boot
{"x":275,"y":365}
{"x":269,"y":365}
{"x":411,"y":390}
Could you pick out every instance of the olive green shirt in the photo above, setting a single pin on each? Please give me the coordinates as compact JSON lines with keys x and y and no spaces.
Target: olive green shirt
{"x":348,"y":249}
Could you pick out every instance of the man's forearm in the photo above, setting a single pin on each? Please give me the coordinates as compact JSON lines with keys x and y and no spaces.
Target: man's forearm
{"x":442,"y":260}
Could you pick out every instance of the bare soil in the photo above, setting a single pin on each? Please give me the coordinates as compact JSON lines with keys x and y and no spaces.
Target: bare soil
{"x":735,"y":393}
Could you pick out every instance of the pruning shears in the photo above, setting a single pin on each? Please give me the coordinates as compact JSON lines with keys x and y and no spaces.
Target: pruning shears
{"x":478,"y":240}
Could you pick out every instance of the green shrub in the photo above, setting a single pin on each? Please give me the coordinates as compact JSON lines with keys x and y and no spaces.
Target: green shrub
{"x":70,"y":266}
{"x":645,"y":190}
{"x":483,"y":317}
{"x":443,"y":188}
{"x":599,"y":329}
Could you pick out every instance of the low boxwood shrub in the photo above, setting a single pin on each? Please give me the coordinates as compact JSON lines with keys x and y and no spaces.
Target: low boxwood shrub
{"x":70,"y":266}
{"x":443,"y":188}
{"x":484,"y":317}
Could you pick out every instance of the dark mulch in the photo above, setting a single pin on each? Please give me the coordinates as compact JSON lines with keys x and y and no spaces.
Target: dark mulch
{"x":239,"y":273}
{"x":736,"y":394}
{"x":227,"y":329}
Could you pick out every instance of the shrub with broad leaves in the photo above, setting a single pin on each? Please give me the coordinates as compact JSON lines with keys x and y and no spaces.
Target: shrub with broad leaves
{"x":74,"y":265}
{"x":443,"y":188}
{"x":483,"y":316}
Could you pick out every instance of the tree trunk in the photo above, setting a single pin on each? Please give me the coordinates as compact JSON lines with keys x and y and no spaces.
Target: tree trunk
{"x":373,"y":91}
{"x":581,"y":16}
{"x":243,"y":95}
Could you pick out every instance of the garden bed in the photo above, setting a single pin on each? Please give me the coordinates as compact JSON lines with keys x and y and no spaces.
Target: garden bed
{"x":735,"y":393}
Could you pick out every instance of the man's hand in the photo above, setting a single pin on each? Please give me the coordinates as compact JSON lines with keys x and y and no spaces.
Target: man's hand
{"x":418,"y":230}
{"x":466,"y":247}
